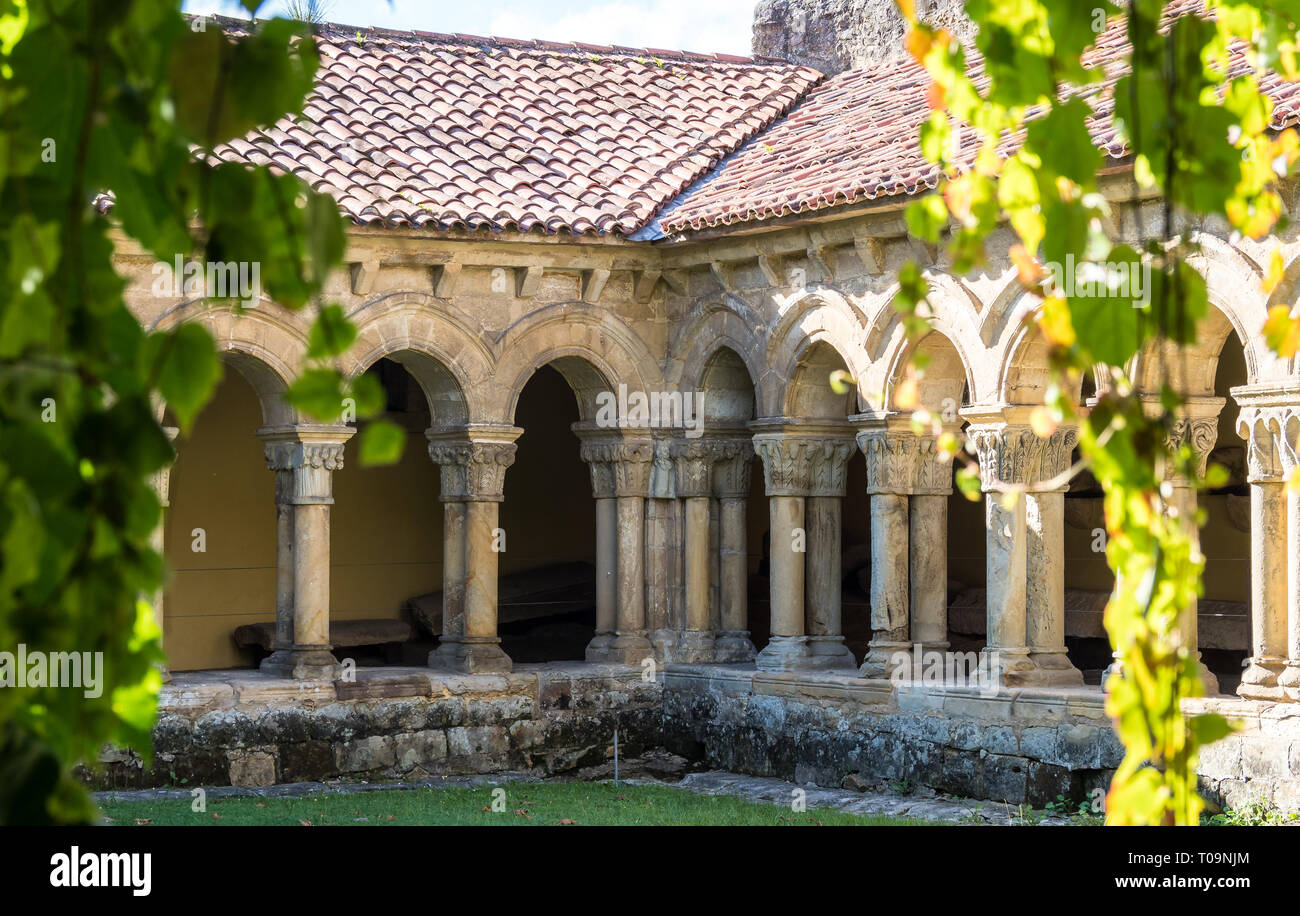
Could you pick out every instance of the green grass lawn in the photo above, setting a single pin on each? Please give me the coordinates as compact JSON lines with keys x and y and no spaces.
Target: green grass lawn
{"x":550,"y":804}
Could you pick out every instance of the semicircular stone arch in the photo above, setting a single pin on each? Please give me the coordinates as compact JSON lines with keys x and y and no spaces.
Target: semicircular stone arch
{"x":594,"y":350}
{"x":818,"y":318}
{"x":445,"y":356}
{"x":264,"y":344}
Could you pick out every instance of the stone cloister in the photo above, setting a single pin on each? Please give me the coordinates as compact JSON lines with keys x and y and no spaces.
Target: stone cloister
{"x":720,"y":319}
{"x":723,"y":542}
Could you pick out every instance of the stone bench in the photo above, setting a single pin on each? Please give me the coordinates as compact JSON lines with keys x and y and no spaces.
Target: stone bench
{"x":343,"y":634}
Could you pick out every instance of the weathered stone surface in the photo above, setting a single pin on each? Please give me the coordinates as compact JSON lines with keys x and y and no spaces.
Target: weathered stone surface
{"x":834,"y":35}
{"x":255,"y":768}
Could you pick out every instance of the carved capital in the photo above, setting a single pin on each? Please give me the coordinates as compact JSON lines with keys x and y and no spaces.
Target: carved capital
{"x":698,"y":462}
{"x":1013,"y":455}
{"x":619,"y":466}
{"x":1199,"y":434}
{"x":1271,"y":434}
{"x":891,"y":459}
{"x":473,"y":462}
{"x":798,"y":465}
{"x":732,"y":468}
{"x":304,"y":459}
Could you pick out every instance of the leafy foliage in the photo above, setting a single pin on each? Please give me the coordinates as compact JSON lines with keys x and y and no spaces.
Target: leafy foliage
{"x":124,"y":96}
{"x":1200,"y":136}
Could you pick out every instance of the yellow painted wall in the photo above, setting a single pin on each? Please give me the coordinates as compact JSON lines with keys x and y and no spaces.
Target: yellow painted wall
{"x":219,"y":484}
{"x":386,"y":523}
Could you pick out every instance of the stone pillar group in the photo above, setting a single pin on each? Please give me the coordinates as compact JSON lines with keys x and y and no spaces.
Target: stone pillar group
{"x":473,"y":462}
{"x":804,"y":464}
{"x":304,"y":458}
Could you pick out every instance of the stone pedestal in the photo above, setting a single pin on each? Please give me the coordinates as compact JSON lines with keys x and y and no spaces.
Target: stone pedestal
{"x":304,"y":459}
{"x":473,"y":461}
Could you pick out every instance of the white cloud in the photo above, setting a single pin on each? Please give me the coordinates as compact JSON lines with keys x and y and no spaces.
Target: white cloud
{"x":683,"y":25}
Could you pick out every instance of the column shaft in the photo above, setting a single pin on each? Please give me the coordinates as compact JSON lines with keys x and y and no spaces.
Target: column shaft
{"x":1268,"y":590}
{"x":733,"y":643}
{"x":890,"y":604}
{"x":928,"y":537}
{"x":630,"y":644}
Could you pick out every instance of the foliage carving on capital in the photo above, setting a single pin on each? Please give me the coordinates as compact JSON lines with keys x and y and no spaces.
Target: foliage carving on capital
{"x":472,"y":470}
{"x":1013,"y":455}
{"x":619,"y":467}
{"x":304,"y":459}
{"x":1199,"y":434}
{"x":803,"y":465}
{"x":1271,"y":441}
{"x":891,"y":460}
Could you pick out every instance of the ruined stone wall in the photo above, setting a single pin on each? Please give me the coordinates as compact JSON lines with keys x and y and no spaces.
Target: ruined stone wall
{"x":835,"y":35}
{"x":244,"y":730}
{"x":1015,"y":747}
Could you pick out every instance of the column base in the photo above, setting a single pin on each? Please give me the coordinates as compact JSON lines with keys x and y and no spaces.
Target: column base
{"x":166,"y":674}
{"x":471,"y":655}
{"x":692,"y":647}
{"x":1019,"y":667}
{"x":1209,"y":681}
{"x":629,"y":647}
{"x":1260,"y":680}
{"x":302,"y":663}
{"x":880,"y":661}
{"x":784,"y":653}
{"x":1055,"y":666}
{"x":734,"y":647}
{"x":1289,"y":680}
{"x":598,"y":648}
{"x":797,"y":653}
{"x":830,"y":652}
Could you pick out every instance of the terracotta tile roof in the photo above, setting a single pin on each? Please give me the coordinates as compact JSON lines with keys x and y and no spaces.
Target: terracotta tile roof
{"x":854,"y":139}
{"x":453,"y":131}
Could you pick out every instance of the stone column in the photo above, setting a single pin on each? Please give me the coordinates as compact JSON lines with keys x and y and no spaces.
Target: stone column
{"x":663,"y":550}
{"x":632,"y":467}
{"x":162,"y":487}
{"x":627,"y":461}
{"x":304,"y":458}
{"x":593,"y":452}
{"x":1199,"y":431}
{"x":473,"y":462}
{"x":1045,"y":560}
{"x":890,"y":449}
{"x":694,"y":460}
{"x":731,"y":488}
{"x":1025,"y":558}
{"x":928,"y":540}
{"x":801,"y":458}
{"x":1289,"y":448}
{"x":1270,"y":591}
{"x":823,"y":617}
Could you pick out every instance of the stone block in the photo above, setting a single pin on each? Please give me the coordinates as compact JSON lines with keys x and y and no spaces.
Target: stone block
{"x":1005,"y":778}
{"x":364,"y":754}
{"x":418,"y":749}
{"x":477,"y":740}
{"x":254,"y":768}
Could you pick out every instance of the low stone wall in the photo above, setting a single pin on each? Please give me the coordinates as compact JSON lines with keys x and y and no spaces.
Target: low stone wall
{"x":1032,"y":745}
{"x":243,"y":728}
{"x":1022,"y":746}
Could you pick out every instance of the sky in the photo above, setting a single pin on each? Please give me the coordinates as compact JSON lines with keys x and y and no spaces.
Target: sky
{"x":678,"y":25}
